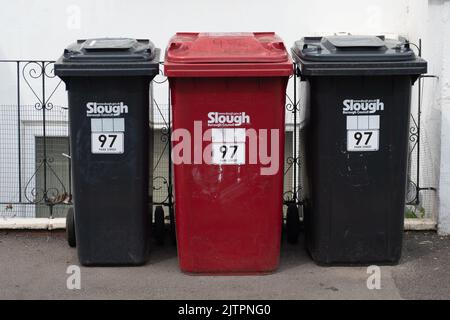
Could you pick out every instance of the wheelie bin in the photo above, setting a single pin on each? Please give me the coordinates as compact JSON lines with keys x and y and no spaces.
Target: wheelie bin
{"x":357,"y":95}
{"x":109,"y":88}
{"x":228,"y":96}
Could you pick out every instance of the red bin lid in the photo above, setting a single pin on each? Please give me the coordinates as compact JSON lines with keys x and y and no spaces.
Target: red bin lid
{"x":227,"y":54}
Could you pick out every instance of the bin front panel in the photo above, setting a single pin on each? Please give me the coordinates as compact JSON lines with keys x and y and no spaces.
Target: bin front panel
{"x":110,"y":178}
{"x":356,"y":193}
{"x":228,"y":216}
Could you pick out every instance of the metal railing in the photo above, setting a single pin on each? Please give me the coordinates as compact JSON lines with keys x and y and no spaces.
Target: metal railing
{"x":35,"y":178}
{"x":34,"y":146}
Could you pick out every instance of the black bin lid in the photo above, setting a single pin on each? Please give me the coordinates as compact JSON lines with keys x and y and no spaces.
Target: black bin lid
{"x":352,"y":55}
{"x":109,"y":57}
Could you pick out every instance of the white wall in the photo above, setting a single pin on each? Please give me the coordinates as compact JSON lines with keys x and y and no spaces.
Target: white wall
{"x":422,"y":22}
{"x":41,"y":29}
{"x":430,"y":20}
{"x":442,"y":16}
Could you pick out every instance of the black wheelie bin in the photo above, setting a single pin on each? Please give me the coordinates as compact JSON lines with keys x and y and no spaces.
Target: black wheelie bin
{"x":108,"y":81}
{"x":357,"y":96}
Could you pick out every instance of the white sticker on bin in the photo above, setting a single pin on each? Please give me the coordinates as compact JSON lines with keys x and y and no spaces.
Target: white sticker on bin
{"x":107,"y":135}
{"x":108,"y":125}
{"x":363,"y":133}
{"x":228,"y":146}
{"x":107,"y":142}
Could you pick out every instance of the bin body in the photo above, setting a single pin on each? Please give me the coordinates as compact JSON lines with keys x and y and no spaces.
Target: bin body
{"x":355,"y":142}
{"x":228,"y":215}
{"x":111,"y":140}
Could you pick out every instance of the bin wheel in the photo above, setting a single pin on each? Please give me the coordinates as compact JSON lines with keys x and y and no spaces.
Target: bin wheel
{"x":292,"y":224}
{"x":70,"y":228}
{"x":159,"y":225}
{"x":172,"y":225}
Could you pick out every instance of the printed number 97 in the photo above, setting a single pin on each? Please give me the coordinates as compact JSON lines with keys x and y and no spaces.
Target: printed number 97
{"x":103,"y":138}
{"x":358,"y":137}
{"x":224,"y":150}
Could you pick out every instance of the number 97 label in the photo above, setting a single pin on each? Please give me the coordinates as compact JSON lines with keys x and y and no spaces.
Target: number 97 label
{"x":107,"y":142}
{"x":228,"y":153}
{"x":363,"y":140}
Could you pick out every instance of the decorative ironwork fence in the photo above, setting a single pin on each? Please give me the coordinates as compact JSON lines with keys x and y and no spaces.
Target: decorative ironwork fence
{"x":35,"y":178}
{"x":35,"y":153}
{"x":415,"y":209}
{"x":31,"y":179}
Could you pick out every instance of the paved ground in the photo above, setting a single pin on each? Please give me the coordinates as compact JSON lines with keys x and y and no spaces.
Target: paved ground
{"x":33,"y":265}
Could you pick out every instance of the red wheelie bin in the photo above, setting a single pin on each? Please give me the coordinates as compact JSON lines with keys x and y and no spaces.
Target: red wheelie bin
{"x":228,"y":104}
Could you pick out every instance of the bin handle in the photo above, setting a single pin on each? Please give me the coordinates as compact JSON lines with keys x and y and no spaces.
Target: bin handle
{"x":175,"y":45}
{"x":342,"y":33}
{"x":403,"y":43}
{"x":316,"y":46}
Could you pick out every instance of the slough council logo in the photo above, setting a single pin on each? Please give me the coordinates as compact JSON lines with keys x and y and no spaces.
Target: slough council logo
{"x":362,"y":106}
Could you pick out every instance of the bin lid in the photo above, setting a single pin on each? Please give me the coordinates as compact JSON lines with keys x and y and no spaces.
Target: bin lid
{"x":350,"y":54}
{"x":227,"y":54}
{"x":108,"y":57}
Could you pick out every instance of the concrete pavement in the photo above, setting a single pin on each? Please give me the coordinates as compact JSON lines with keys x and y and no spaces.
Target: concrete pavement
{"x":33,"y":266}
